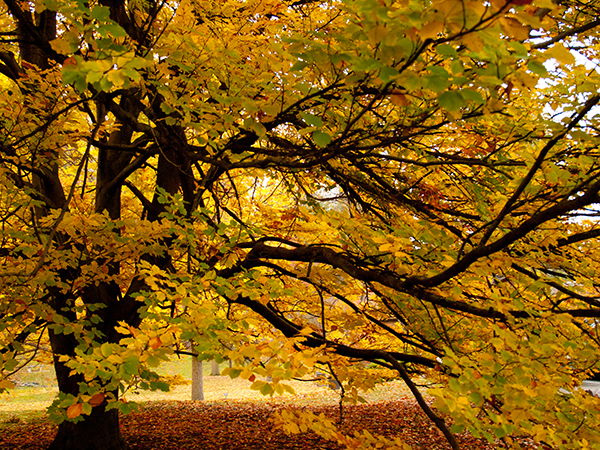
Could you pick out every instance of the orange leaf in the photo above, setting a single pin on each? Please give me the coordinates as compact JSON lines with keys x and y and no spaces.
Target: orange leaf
{"x":70,"y":61}
{"x":74,"y":410}
{"x":155,"y":342}
{"x":398,"y":99}
{"x":96,"y":399}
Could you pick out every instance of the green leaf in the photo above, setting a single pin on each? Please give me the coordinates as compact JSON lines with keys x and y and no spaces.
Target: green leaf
{"x":456,"y":66}
{"x":457,"y":428}
{"x":101,"y":13}
{"x":368,"y":65}
{"x":114,"y":29}
{"x":159,"y":386}
{"x":267,"y":389}
{"x":166,"y":108}
{"x":71,"y":74}
{"x":106,"y":349}
{"x":124,"y":408}
{"x":93,"y":77}
{"x":202,"y":346}
{"x":298,"y":67}
{"x":257,"y":385}
{"x":499,"y":432}
{"x":153,"y":361}
{"x":476,"y":398}
{"x":455,"y":385}
{"x":388,"y":73}
{"x":10,"y":365}
{"x":321,"y":138}
{"x":472,"y":96}
{"x":233,"y":373}
{"x":537,"y":68}
{"x":132,"y":74}
{"x":312,"y":120}
{"x":131,"y":365}
{"x":86,"y":408}
{"x":451,"y":100}
{"x":435,"y":82}
{"x":446,"y":50}
{"x":412,"y":83}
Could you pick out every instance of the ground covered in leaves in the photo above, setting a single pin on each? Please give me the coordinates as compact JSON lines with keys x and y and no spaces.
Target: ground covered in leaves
{"x":233,"y":425}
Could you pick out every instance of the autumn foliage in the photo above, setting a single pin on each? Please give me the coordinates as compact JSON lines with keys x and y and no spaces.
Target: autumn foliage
{"x":342,"y":190}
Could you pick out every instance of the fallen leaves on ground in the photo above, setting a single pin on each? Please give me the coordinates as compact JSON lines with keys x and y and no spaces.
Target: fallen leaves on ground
{"x":235,"y":425}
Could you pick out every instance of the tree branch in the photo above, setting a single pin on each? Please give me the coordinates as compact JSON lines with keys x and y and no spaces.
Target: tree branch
{"x":560,"y":36}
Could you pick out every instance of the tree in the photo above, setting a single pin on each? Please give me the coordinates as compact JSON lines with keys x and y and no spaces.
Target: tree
{"x":399,"y":188}
{"x":214,"y":369}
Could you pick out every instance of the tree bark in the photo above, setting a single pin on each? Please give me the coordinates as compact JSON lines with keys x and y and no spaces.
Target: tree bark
{"x":98,"y":431}
{"x":197,"y":382}
{"x":214,"y":368}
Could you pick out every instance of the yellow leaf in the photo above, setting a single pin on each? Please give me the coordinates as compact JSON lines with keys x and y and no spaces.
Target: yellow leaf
{"x":377,"y":34}
{"x":463,"y":401}
{"x":528,"y":19}
{"x":431,"y":30}
{"x":39,"y":7}
{"x":387,"y":247}
{"x":498,"y":4}
{"x":60,"y":46}
{"x":6,"y":384}
{"x":550,"y":4}
{"x":473,"y":43}
{"x":116,"y":78}
{"x":477,"y":8}
{"x":514,"y":29}
{"x":74,"y":410}
{"x":561,"y":54}
{"x":527,"y":80}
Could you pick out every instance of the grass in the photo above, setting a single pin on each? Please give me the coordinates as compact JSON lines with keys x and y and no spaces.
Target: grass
{"x":26,"y":404}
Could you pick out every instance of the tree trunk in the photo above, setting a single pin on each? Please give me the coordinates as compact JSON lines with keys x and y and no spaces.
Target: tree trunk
{"x":214,"y":369}
{"x":99,"y":431}
{"x":197,"y":382}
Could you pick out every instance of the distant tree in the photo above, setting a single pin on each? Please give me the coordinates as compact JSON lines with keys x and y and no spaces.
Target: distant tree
{"x":373,"y":189}
{"x":214,"y":368}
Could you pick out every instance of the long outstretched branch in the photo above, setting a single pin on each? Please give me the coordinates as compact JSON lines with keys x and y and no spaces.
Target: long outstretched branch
{"x":439,"y":422}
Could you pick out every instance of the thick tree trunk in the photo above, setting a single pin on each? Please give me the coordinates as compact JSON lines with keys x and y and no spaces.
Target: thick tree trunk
{"x":99,"y":431}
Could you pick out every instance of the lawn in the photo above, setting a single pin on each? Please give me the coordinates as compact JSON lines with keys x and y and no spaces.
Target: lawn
{"x":232,"y":416}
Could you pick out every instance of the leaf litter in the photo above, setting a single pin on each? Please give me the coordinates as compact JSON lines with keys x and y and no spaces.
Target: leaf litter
{"x":240,"y":424}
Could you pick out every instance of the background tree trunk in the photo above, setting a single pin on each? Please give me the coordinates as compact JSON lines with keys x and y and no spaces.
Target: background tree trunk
{"x":197,"y":382}
{"x":214,"y":368}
